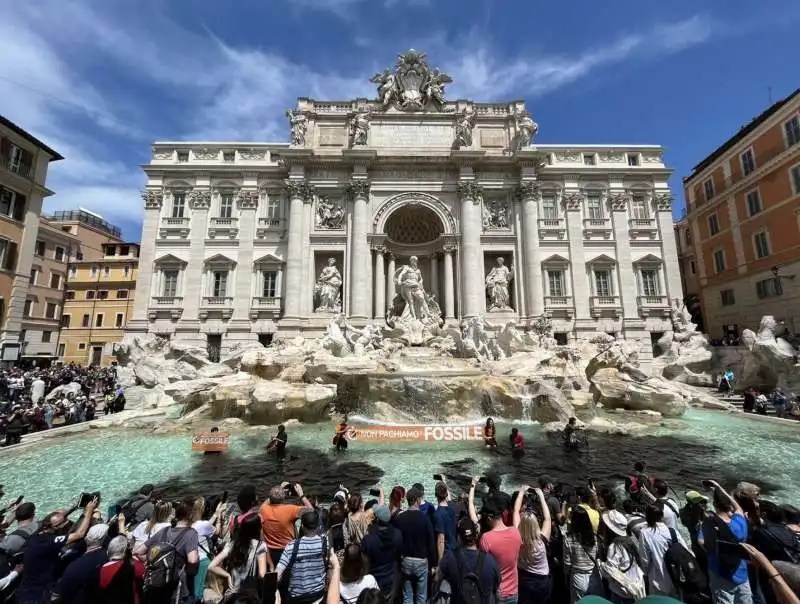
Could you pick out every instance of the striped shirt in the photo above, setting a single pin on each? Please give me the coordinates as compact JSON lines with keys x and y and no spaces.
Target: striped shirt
{"x":308,"y":569}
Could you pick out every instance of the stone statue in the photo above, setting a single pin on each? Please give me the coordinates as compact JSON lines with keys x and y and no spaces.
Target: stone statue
{"x":387,"y":86}
{"x":359,"y":127}
{"x":363,"y":340}
{"x":495,"y":215}
{"x":681,"y":317}
{"x":299,"y":124}
{"x":328,"y":288}
{"x":412,"y":85}
{"x":526,"y":129}
{"x":434,"y":89}
{"x":408,"y":281}
{"x":497,"y":282}
{"x":329,"y":214}
{"x":464,"y":126}
{"x":476,"y":340}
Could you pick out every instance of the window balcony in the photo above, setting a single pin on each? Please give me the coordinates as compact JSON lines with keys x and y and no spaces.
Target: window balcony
{"x":166,"y":306}
{"x":25,"y":170}
{"x":217,"y":300}
{"x":167,"y":301}
{"x":264,"y":306}
{"x":653,"y":305}
{"x":270,"y":226}
{"x":643,"y":226}
{"x":223,"y":227}
{"x":559,"y":305}
{"x":174,"y":227}
{"x":552,"y":228}
{"x":599,"y":305}
{"x":219,"y":305}
{"x":597,"y":227}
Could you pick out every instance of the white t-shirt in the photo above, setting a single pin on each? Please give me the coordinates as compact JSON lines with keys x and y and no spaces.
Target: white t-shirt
{"x":204,"y":532}
{"x":141,"y":535}
{"x":670,"y":515}
{"x":349,"y":592}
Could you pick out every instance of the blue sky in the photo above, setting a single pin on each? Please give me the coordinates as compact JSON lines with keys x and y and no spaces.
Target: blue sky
{"x":101,"y":79}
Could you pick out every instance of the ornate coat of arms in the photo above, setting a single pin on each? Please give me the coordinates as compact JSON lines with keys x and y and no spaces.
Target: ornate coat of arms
{"x":412,"y":85}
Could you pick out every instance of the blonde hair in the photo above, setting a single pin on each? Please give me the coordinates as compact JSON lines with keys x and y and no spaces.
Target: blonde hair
{"x":531,"y":536}
{"x":161,"y":513}
{"x":198,"y":508}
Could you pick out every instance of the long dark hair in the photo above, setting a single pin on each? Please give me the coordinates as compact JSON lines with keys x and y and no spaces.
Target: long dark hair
{"x":248,"y":531}
{"x":354,"y":564}
{"x":370,"y":596}
{"x":580,"y":527}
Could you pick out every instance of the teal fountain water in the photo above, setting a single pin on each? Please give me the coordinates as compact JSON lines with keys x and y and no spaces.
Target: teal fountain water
{"x":702,"y":444}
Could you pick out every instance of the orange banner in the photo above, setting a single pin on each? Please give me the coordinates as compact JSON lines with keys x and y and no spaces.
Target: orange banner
{"x":210,"y":441}
{"x":375,"y":433}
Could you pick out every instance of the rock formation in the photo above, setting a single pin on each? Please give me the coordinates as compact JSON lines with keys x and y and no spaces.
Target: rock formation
{"x":686,"y":355}
{"x":769,"y":361}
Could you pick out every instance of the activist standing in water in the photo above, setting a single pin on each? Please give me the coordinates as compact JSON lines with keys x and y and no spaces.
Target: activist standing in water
{"x":278,"y":443}
{"x":340,"y":438}
{"x":517,"y":444}
{"x":490,"y":434}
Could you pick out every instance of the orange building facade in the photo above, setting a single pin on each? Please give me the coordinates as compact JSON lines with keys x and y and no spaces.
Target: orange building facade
{"x":741,"y":235}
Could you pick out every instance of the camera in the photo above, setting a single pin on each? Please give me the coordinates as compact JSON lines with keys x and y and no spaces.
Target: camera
{"x":290,"y":491}
{"x":375,"y":492}
{"x":86,"y":498}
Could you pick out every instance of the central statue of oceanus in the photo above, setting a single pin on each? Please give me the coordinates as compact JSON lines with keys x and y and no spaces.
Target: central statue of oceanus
{"x":412,"y":305}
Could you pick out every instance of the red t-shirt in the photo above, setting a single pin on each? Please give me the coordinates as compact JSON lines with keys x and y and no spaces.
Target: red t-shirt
{"x":519,"y":442}
{"x":119,"y":591}
{"x":504,"y":545}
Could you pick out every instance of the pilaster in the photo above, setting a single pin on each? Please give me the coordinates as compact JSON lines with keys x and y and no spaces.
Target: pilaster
{"x":573,"y":200}
{"x":199,"y":203}
{"x":672,"y":275}
{"x":300,"y":193}
{"x":473,"y":299}
{"x":153,"y":200}
{"x":529,"y":195}
{"x":380,"y":284}
{"x":618,"y":202}
{"x":449,"y":285}
{"x":247,"y":202}
{"x":360,"y":270}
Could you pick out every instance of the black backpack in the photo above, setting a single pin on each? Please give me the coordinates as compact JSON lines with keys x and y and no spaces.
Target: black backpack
{"x":164,"y":563}
{"x":470,"y":591}
{"x":685,"y":572}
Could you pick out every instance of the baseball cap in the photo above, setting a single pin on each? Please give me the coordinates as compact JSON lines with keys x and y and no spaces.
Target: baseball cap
{"x":696,"y":497}
{"x":382,"y":514}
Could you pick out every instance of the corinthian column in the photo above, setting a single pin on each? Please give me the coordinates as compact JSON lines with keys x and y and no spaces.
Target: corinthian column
{"x":360,"y":290}
{"x":534,"y":299}
{"x":300,"y":192}
{"x":380,"y":285}
{"x":474,"y":301}
{"x":449,"y":285}
{"x":390,"y":280}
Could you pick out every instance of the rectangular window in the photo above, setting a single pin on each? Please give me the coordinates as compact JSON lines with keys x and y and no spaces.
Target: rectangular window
{"x":98,"y":320}
{"x":102,"y":294}
{"x":170,"y":280}
{"x":8,"y":254}
{"x":82,"y":346}
{"x":719,"y":261}
{"x":270,"y":289}
{"x":95,"y":268}
{"x":650,"y":282}
{"x":273,"y":207}
{"x":106,"y":271}
{"x":18,"y":160}
{"x":549,"y":207}
{"x":65,"y":319}
{"x":602,"y":283}
{"x":69,"y":295}
{"x":73,"y":271}
{"x":46,"y":337}
{"x":59,"y":254}
{"x":34,"y":274}
{"x":792,"y":129}
{"x":748,"y":162}
{"x":769,"y":288}
{"x":62,"y":348}
{"x":228,"y":156}
{"x":639,"y":205}
{"x":633,"y":159}
{"x":22,"y":334}
{"x":594,"y":205}
{"x":754,"y":202}
{"x":55,"y":281}
{"x":555,"y":281}
{"x":124,"y":250}
{"x":708,"y":187}
{"x":40,"y":248}
{"x":90,"y":294}
{"x":122,"y":294}
{"x":727,"y":298}
{"x":688,"y":236}
{"x":85,"y":321}
{"x":126,"y":270}
{"x":119,"y":319}
{"x":12,"y":204}
{"x":713,"y":224}
{"x":27,"y":309}
{"x":796,"y":179}
{"x":588,"y":159}
{"x":50,"y":310}
{"x":183,"y":157}
{"x":220,"y":284}
{"x":178,"y":205}
{"x":761,"y":241}
{"x":692,"y":267}
{"x":226,"y":205}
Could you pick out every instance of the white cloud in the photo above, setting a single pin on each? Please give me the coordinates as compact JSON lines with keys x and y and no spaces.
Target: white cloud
{"x":221,"y":89}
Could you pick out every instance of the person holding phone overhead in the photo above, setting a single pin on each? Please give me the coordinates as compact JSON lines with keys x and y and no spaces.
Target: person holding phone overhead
{"x":722,"y":535}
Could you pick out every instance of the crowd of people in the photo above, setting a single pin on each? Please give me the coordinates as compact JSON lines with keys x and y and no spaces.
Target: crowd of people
{"x":549,"y":543}
{"x":27,"y":402}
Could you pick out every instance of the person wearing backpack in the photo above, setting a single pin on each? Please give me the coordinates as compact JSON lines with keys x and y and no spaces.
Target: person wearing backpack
{"x":171,"y":559}
{"x":473,"y":576}
{"x":621,"y":564}
{"x":654,"y":540}
{"x":720,"y":534}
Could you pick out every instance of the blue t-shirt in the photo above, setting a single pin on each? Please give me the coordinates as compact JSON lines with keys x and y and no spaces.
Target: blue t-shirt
{"x":444,"y":523}
{"x":490,"y":574}
{"x":738,"y":526}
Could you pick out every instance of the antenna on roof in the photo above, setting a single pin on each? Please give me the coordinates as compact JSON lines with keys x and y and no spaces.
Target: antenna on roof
{"x":769,"y":94}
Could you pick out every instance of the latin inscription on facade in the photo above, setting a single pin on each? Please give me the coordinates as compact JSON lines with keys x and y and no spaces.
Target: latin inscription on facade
{"x":332,"y":136}
{"x":493,"y":139}
{"x":407,"y":135}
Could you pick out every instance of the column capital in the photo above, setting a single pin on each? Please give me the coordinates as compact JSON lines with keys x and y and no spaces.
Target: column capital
{"x":663,"y":201}
{"x":449,"y":249}
{"x":200,"y":199}
{"x":528,"y":190}
{"x":470,"y":190}
{"x":298,"y":188}
{"x":359,"y":188}
{"x":572,"y":200}
{"x":618,"y":201}
{"x":153,"y":198}
{"x":247,"y":199}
